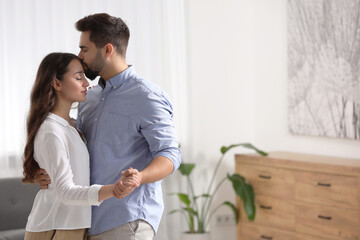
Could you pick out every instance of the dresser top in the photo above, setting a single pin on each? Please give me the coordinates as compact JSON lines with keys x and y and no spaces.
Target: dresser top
{"x":310,"y":162}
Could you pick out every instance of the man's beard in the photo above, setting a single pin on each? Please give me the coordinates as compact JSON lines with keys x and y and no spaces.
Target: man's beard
{"x":94,"y":71}
{"x":90,"y":74}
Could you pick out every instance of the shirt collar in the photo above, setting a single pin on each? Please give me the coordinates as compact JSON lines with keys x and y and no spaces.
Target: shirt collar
{"x":118,"y":79}
{"x":58,"y":119}
{"x":102,"y":83}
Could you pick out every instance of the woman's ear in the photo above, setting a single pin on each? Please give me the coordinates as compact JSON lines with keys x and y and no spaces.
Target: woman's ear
{"x":56,"y":83}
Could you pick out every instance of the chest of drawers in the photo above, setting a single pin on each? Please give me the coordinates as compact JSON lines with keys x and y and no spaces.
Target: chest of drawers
{"x":301,"y":197}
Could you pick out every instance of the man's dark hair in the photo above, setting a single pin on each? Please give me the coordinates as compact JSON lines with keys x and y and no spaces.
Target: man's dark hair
{"x":105,"y":29}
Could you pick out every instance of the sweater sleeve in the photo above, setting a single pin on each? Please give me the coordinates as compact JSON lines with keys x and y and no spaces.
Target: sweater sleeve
{"x":53,"y":157}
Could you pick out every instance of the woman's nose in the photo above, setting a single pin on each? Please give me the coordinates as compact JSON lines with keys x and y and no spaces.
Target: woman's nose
{"x":85,"y":83}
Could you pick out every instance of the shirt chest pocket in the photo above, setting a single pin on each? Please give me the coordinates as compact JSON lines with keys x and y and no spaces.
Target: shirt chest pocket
{"x":114,"y":129}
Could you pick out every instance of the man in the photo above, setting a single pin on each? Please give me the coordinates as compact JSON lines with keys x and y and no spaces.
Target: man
{"x":127,"y":122}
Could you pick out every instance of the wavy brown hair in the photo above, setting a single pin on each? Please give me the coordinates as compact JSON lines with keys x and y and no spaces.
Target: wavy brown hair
{"x":42,"y":101}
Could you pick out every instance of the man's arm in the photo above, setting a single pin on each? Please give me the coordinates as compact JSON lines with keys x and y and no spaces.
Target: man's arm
{"x":159,"y":168}
{"x":157,"y":126}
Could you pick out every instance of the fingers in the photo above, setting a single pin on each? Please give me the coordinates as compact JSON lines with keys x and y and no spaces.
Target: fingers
{"x":121,"y":190}
{"x":117,"y":190}
{"x":42,"y":178}
{"x":134,"y":176}
{"x":132,"y":180}
{"x":129,"y":171}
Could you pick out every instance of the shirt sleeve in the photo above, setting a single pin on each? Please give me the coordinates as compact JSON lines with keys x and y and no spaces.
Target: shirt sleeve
{"x":157,"y":127}
{"x":53,"y":157}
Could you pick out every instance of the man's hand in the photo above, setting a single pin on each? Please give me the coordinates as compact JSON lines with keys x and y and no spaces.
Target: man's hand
{"x":130,"y":180}
{"x":42,"y":178}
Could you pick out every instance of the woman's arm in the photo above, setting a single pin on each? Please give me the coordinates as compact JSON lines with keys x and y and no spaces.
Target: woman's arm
{"x":51,"y":154}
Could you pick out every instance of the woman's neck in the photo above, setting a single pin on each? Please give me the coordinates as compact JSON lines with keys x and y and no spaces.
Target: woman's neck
{"x":62,"y":110}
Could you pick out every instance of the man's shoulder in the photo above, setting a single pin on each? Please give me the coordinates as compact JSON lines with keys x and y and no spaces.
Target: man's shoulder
{"x":143,"y":85}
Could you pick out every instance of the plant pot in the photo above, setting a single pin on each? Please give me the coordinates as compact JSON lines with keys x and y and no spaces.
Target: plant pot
{"x":196,"y":236}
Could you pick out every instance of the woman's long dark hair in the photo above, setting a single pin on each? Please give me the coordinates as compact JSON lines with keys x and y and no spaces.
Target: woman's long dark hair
{"x":42,"y":101}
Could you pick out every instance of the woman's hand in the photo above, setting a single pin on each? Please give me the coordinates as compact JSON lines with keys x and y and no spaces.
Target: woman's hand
{"x":42,"y":179}
{"x":131,"y":179}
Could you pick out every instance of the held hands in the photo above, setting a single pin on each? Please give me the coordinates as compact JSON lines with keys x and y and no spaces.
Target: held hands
{"x":131,"y":179}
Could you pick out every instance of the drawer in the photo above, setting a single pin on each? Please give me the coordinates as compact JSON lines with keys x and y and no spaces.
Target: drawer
{"x":269,"y":181}
{"x":256,"y":232}
{"x":327,"y":221}
{"x":327,"y":189}
{"x":273,"y":212}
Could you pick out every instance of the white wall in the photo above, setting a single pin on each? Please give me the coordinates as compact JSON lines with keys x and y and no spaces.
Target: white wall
{"x":237,"y":53}
{"x":221,"y":76}
{"x":271,"y":83}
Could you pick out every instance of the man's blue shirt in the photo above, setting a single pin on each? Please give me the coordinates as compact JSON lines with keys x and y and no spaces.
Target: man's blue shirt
{"x":127,"y":121}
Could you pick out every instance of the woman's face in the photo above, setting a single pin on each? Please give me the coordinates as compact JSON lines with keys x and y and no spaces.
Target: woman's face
{"x":74,"y":84}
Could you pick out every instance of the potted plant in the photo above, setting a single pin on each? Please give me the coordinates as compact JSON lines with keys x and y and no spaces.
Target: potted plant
{"x":197,"y":207}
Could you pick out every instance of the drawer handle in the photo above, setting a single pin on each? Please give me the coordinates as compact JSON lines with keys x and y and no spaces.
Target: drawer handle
{"x":265,"y":237}
{"x":266,"y":207}
{"x":324,"y":217}
{"x":324,"y":184}
{"x":265,"y":177}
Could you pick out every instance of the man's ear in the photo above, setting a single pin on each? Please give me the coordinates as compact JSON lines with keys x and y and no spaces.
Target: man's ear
{"x":56,"y":83}
{"x":109,"y":50}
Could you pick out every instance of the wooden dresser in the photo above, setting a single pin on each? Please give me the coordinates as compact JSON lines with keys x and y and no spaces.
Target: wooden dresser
{"x":301,"y":197}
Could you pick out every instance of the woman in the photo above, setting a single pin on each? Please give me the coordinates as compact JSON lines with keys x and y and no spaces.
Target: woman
{"x":53,"y":143}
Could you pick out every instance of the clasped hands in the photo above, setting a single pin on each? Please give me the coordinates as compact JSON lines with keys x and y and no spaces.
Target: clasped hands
{"x":130,"y":179}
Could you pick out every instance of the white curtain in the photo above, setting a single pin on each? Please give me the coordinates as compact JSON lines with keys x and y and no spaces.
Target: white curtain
{"x":30,"y":29}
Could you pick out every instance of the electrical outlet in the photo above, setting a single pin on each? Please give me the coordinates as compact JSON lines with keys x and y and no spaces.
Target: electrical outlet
{"x":225,"y":220}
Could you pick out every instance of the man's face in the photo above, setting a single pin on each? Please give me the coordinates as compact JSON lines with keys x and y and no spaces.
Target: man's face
{"x":90,"y":56}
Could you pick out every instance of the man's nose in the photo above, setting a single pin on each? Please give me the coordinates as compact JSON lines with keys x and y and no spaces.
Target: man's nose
{"x":80,"y":56}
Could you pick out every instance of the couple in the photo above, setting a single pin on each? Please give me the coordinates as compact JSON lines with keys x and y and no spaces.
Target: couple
{"x":126,"y":124}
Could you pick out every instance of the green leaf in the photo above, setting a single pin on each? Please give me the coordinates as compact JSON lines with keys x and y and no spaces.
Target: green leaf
{"x":186,"y":168}
{"x":246,"y":193}
{"x":234,"y":210}
{"x":249,"y":205}
{"x":191,"y":211}
{"x":251,"y":191}
{"x":238,"y":183}
{"x":184,"y":198}
{"x":176,"y":210}
{"x":224,"y":149}
{"x":202,"y":196}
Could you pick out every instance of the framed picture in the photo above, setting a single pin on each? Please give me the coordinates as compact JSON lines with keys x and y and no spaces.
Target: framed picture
{"x":324,"y":68}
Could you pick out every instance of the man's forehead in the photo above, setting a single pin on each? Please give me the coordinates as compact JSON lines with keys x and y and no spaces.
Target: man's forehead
{"x":85,"y":36}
